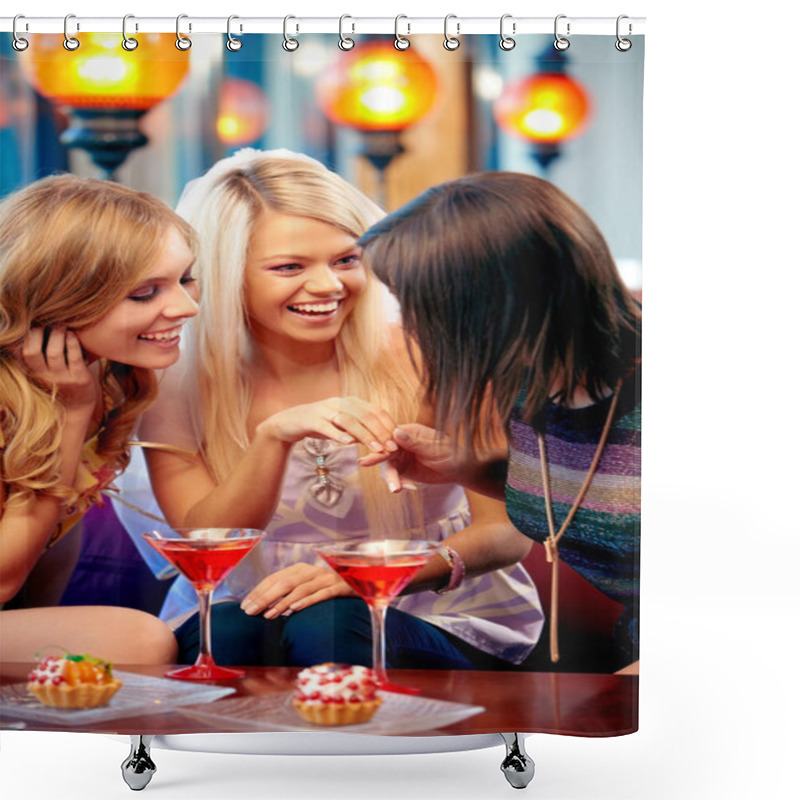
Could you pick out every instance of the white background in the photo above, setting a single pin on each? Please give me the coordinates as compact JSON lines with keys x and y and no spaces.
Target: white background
{"x":720,"y":607}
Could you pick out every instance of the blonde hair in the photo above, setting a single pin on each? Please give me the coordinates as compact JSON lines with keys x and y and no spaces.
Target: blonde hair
{"x":220,"y":351}
{"x":70,"y":249}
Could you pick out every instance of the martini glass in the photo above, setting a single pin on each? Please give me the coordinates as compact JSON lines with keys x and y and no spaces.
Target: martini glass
{"x":378,"y":570}
{"x":204,"y":556}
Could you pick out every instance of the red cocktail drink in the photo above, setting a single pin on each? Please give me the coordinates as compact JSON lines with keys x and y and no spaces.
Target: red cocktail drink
{"x":374,"y":579}
{"x":204,"y":563}
{"x":204,"y":556}
{"x":378,"y":570}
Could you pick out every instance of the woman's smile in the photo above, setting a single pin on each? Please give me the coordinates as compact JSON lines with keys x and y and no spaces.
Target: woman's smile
{"x":302,"y":279}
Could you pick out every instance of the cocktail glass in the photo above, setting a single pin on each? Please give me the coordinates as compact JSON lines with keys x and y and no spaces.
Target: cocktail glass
{"x":378,"y":570}
{"x":205,"y":556}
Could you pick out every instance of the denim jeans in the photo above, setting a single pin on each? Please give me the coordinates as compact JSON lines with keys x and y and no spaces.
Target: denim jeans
{"x":334,"y":630}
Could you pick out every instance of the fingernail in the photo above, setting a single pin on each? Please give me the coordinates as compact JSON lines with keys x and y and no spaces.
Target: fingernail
{"x":345,"y":439}
{"x":410,"y":486}
{"x":376,"y":447}
{"x":248,"y":607}
{"x":391,"y":446}
{"x":404,"y":436}
{"x":394,"y":488}
{"x":270,"y":614}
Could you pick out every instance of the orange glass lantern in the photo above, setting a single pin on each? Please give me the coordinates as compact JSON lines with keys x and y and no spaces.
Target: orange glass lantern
{"x":100,"y":82}
{"x":243,"y":112}
{"x":375,"y":87}
{"x":548,"y":107}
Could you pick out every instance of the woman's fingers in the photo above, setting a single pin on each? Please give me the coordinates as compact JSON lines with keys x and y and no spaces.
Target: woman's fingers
{"x":291,"y":588}
{"x":76,"y":363}
{"x":32,"y":353}
{"x":370,"y":425}
{"x":55,"y":352}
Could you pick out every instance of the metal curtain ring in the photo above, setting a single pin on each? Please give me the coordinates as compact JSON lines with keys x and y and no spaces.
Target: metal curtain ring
{"x":289,"y":44}
{"x":561,"y":42}
{"x":400,"y":42}
{"x":233,"y":44}
{"x":623,"y":45}
{"x":506,"y":42}
{"x":345,"y":42}
{"x":182,"y":42}
{"x":450,"y":42}
{"x":19,"y":44}
{"x":70,"y":42}
{"x":128,"y":42}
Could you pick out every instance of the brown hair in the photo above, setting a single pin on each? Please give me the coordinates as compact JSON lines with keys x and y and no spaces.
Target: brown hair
{"x":507,"y":286}
{"x":70,"y":249}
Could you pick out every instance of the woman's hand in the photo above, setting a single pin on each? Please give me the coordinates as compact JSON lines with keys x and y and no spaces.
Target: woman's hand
{"x":429,"y":456}
{"x":424,"y":455}
{"x":56,"y":361}
{"x":343,"y":419}
{"x":294,"y":588}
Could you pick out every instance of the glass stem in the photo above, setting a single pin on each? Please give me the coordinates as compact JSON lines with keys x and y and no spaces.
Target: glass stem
{"x":378,"y":613}
{"x":204,"y":657}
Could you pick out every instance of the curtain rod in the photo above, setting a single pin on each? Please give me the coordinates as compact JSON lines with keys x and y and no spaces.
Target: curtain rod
{"x":405,"y":26}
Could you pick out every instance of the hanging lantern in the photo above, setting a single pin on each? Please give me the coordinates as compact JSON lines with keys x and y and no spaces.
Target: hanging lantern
{"x":105,"y":88}
{"x":379,"y":91}
{"x":242,"y":112}
{"x":546,"y":108}
{"x":377,"y":88}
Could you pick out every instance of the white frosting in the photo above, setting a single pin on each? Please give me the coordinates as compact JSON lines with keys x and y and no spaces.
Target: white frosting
{"x":335,"y":683}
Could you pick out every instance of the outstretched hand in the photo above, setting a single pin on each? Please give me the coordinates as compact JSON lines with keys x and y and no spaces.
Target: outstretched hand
{"x":342,"y":419}
{"x":425,"y":455}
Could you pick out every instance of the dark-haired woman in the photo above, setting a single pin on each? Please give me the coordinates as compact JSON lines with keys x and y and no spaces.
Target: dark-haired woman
{"x":523,"y":321}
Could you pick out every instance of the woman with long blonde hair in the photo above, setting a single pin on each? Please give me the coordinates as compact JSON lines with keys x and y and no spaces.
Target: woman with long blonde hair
{"x":292,"y":374}
{"x":95,"y":284}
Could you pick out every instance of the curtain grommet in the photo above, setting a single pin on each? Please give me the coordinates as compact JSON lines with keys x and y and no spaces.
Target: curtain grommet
{"x":19,"y":43}
{"x":182,"y":42}
{"x":451,"y":42}
{"x":507,"y":42}
{"x":623,"y":45}
{"x":345,"y":42}
{"x":233,"y":44}
{"x":71,"y":43}
{"x":128,"y":42}
{"x":561,"y":43}
{"x":289,"y":43}
{"x":401,"y":43}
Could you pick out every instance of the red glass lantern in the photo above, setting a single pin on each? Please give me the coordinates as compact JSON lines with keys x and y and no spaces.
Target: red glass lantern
{"x":104,"y":88}
{"x":101,"y":74}
{"x":545,"y":108}
{"x":375,"y":87}
{"x":243,"y":112}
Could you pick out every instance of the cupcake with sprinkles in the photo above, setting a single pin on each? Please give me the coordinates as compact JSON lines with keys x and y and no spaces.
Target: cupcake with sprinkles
{"x":73,"y":681}
{"x":336,"y":694}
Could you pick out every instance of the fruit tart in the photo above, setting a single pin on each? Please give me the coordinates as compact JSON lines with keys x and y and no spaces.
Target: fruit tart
{"x":73,"y":681}
{"x":336,"y":694}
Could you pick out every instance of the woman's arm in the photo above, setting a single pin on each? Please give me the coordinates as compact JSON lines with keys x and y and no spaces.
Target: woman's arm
{"x":248,"y":497}
{"x":488,"y":543}
{"x":26,"y":529}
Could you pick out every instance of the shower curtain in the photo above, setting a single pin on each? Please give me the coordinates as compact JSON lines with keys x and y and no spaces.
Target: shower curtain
{"x":392,"y":114}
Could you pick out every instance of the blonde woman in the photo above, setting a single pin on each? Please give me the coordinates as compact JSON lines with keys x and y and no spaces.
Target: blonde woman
{"x":291,"y":374}
{"x":95,"y":284}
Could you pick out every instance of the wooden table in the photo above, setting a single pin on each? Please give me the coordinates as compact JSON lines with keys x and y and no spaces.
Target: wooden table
{"x":580,"y":704}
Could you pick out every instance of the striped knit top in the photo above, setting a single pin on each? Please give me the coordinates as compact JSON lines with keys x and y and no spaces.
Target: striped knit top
{"x":602,"y":542}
